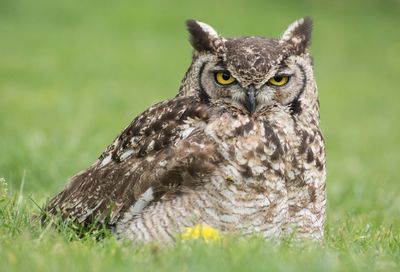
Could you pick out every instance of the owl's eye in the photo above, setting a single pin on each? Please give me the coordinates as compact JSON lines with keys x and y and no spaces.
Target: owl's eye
{"x":278,"y":80}
{"x":224,"y":78}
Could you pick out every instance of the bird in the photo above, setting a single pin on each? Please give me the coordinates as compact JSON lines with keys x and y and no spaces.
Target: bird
{"x":238,"y":149}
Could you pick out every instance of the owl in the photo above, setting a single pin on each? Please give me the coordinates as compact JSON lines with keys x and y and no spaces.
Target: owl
{"x":239,"y":148}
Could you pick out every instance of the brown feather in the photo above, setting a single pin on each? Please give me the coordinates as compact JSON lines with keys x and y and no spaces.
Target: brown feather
{"x":94,"y":193}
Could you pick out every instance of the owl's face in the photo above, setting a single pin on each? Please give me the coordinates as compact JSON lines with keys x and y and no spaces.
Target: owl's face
{"x":251,"y":73}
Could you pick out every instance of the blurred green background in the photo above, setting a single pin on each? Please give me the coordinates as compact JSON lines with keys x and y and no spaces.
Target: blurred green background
{"x":74,"y":73}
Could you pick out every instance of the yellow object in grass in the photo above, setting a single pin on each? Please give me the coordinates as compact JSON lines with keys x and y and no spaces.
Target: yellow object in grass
{"x":201,"y":231}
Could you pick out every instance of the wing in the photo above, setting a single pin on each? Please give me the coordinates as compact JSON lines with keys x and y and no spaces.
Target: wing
{"x":162,"y":149}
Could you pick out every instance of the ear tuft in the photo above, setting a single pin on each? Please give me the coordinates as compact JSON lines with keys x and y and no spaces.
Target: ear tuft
{"x":201,"y":35}
{"x":298,"y":34}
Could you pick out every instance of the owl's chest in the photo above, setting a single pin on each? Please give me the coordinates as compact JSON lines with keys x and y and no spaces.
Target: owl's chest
{"x":253,"y":150}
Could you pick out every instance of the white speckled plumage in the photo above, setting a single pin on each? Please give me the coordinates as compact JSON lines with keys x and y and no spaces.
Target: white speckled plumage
{"x":247,"y":157}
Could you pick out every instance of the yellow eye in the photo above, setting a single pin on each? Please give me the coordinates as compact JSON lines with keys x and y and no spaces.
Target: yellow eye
{"x":279,"y":80}
{"x":224,"y":78}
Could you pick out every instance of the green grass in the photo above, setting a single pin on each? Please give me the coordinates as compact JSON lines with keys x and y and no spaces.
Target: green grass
{"x":74,"y":73}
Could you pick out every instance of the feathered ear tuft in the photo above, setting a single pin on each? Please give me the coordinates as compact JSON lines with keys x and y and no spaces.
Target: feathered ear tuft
{"x":298,"y":34}
{"x":202,"y":36}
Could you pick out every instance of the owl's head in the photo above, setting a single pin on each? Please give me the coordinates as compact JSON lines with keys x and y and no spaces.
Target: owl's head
{"x":252,"y":73}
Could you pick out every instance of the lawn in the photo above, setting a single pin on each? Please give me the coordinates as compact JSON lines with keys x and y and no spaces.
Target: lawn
{"x":74,"y":73}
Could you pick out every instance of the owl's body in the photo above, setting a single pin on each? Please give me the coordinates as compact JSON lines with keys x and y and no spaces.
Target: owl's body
{"x":234,"y":149}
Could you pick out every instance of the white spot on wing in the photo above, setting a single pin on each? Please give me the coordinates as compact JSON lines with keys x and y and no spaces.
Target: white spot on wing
{"x":106,"y":160}
{"x":187,"y":132}
{"x":162,"y":163}
{"x":126,"y":154}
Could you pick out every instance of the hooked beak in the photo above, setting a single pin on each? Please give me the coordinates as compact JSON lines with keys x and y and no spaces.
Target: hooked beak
{"x":251,"y":99}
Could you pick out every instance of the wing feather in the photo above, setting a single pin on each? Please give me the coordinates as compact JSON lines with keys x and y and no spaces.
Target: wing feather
{"x":154,"y":151}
